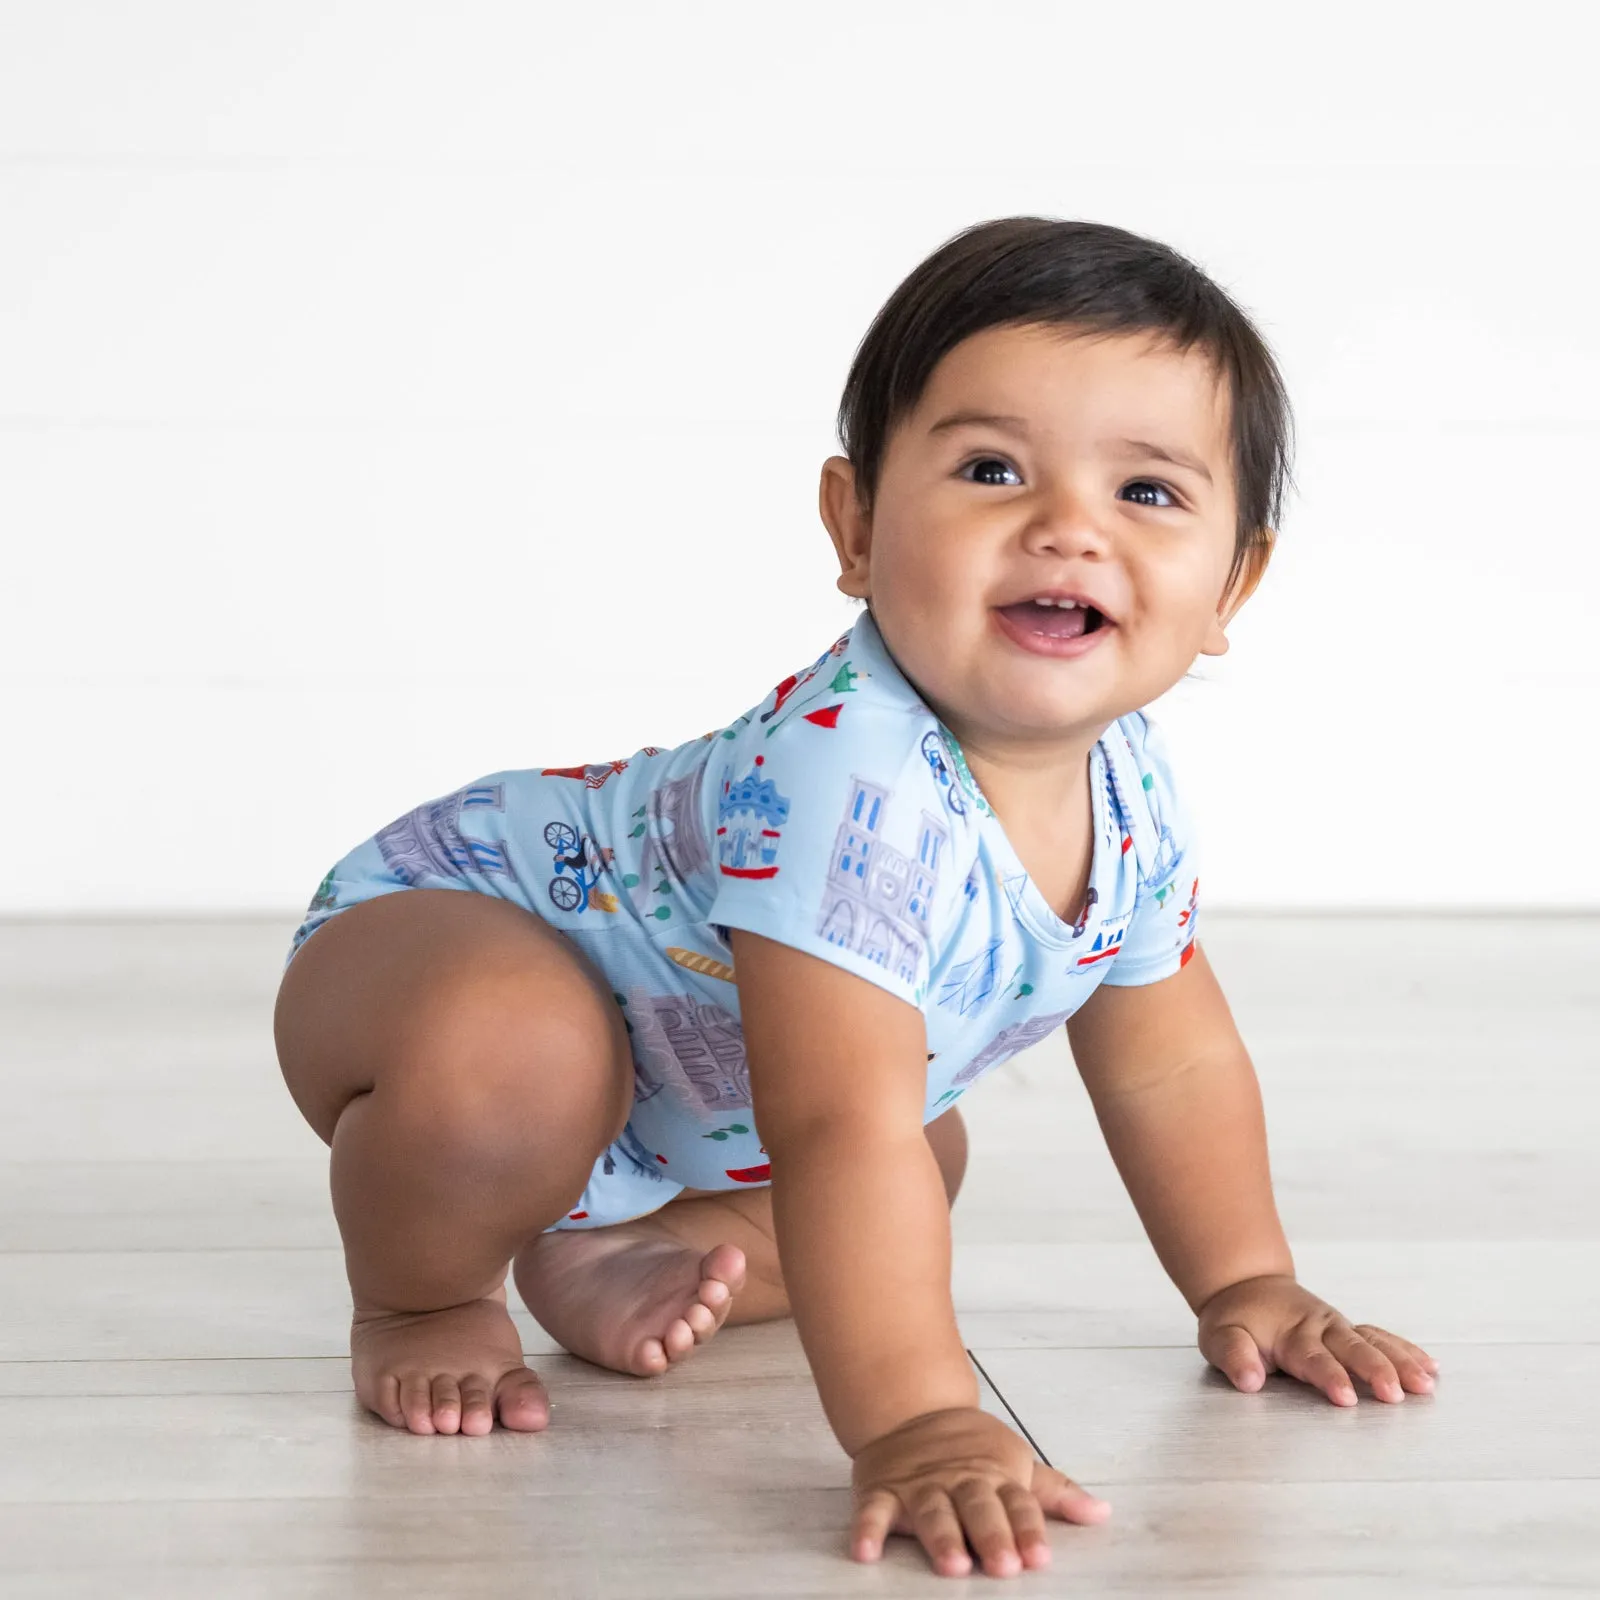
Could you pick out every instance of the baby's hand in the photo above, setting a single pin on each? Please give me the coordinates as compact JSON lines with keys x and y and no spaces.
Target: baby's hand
{"x":962,"y":1471}
{"x":1272,"y":1320}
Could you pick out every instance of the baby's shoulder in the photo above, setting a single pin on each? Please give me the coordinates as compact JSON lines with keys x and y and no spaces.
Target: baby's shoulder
{"x":1151,"y":802}
{"x":838,"y":829}
{"x":842,"y":714}
{"x":1140,"y":764}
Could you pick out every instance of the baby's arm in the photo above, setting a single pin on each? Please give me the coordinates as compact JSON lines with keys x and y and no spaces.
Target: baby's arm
{"x":838,"y":1075}
{"x":1177,"y":1098}
{"x":1178,"y":1102}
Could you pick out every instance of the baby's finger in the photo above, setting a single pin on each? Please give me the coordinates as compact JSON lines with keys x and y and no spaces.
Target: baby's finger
{"x":1402,"y":1352}
{"x":939,"y":1529}
{"x":1311,"y":1362}
{"x":1027,"y":1524}
{"x":1366,"y":1361}
{"x":1063,"y":1498}
{"x":988,"y":1527}
{"x":1232,"y":1349}
{"x":873,"y":1519}
{"x":1415,"y":1366}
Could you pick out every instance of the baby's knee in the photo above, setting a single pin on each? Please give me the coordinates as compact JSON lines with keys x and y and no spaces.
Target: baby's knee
{"x":494,"y":1073}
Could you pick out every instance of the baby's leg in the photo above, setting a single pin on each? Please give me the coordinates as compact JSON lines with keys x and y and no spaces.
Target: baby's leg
{"x":467,"y":1065}
{"x":700,"y":1220}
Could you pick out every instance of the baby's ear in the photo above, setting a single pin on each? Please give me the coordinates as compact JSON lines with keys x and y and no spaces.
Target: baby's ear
{"x":848,"y":525}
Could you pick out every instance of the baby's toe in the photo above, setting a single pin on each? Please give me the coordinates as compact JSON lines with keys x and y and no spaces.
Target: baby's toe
{"x":477,"y":1404}
{"x":446,"y":1403}
{"x":416,"y":1402}
{"x":387,"y":1401}
{"x":650,"y":1358}
{"x":702,"y":1320}
{"x":679,"y":1339}
{"x":522,"y":1401}
{"x":724,"y":1265}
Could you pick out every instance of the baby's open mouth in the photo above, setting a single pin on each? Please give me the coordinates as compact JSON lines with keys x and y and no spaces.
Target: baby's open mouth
{"x":1059,"y":622}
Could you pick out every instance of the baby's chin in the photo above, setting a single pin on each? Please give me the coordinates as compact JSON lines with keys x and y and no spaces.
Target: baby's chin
{"x":976,"y":678}
{"x":1020,"y":713}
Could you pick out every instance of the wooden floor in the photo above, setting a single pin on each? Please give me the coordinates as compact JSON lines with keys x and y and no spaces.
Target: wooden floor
{"x":176,"y":1416}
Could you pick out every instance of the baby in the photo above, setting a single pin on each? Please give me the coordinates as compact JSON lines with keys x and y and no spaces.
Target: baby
{"x":679,"y":1039}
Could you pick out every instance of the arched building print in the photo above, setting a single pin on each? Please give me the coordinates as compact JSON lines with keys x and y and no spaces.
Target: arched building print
{"x":674,"y":842}
{"x":691,"y":1048}
{"x":429,"y":842}
{"x":877,"y":899}
{"x":1009,"y":1042}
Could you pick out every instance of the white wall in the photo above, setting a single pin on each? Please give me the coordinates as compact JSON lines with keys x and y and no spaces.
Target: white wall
{"x":391,"y":393}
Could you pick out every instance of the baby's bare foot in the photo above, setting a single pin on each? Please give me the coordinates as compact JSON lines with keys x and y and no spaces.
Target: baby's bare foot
{"x":628,"y":1297}
{"x":447,"y":1371}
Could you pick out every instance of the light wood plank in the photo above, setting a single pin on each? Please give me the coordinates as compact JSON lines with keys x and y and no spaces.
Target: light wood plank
{"x":1455,"y":1292}
{"x":1324,"y":1541}
{"x":204,"y":1304}
{"x":1322,"y":1195}
{"x":752,"y":1354}
{"x":1499,"y":1413}
{"x":103,"y":1206}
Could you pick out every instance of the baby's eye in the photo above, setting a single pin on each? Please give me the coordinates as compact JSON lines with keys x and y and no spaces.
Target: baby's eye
{"x":1145,"y":484}
{"x":1150,"y":483}
{"x":989,"y":461}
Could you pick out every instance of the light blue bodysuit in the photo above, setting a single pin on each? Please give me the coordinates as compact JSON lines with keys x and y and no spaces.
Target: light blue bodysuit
{"x":837,"y":816}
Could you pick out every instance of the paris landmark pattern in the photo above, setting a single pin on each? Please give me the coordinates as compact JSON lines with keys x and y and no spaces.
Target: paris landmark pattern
{"x":674,"y":841}
{"x":691,"y":1048}
{"x":1168,"y":857}
{"x":972,"y":982}
{"x":1008,"y":1042}
{"x":876,"y":900}
{"x":428,"y":841}
{"x":750,"y":818}
{"x":327,"y":896}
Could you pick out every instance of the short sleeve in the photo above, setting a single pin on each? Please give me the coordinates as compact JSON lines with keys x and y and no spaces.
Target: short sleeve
{"x":1160,"y":936}
{"x":832,"y":837}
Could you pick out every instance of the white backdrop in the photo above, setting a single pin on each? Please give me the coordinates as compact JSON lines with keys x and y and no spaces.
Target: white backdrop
{"x":391,"y":393}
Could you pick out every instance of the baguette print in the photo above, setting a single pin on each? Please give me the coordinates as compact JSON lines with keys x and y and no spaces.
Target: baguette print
{"x":695,"y":962}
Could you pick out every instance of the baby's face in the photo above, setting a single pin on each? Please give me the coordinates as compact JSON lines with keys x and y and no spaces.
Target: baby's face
{"x":973,"y":516}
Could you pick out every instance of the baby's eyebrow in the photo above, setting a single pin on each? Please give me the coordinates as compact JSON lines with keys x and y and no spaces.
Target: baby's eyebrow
{"x":1144,"y":447}
{"x":960,"y":419}
{"x":1116,"y":447}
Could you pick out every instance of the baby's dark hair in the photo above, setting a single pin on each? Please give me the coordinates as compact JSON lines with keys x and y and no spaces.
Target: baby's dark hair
{"x":1031,"y":271}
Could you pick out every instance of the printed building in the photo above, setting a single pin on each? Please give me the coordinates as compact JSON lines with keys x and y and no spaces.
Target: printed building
{"x":1009,"y":1042}
{"x":429,"y":841}
{"x":877,"y":899}
{"x":689,"y":1047}
{"x":674,"y":843}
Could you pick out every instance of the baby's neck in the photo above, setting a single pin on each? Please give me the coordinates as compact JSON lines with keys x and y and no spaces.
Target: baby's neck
{"x":1035,"y":787}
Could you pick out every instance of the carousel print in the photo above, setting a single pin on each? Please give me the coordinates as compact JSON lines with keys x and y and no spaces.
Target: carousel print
{"x":750,"y":817}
